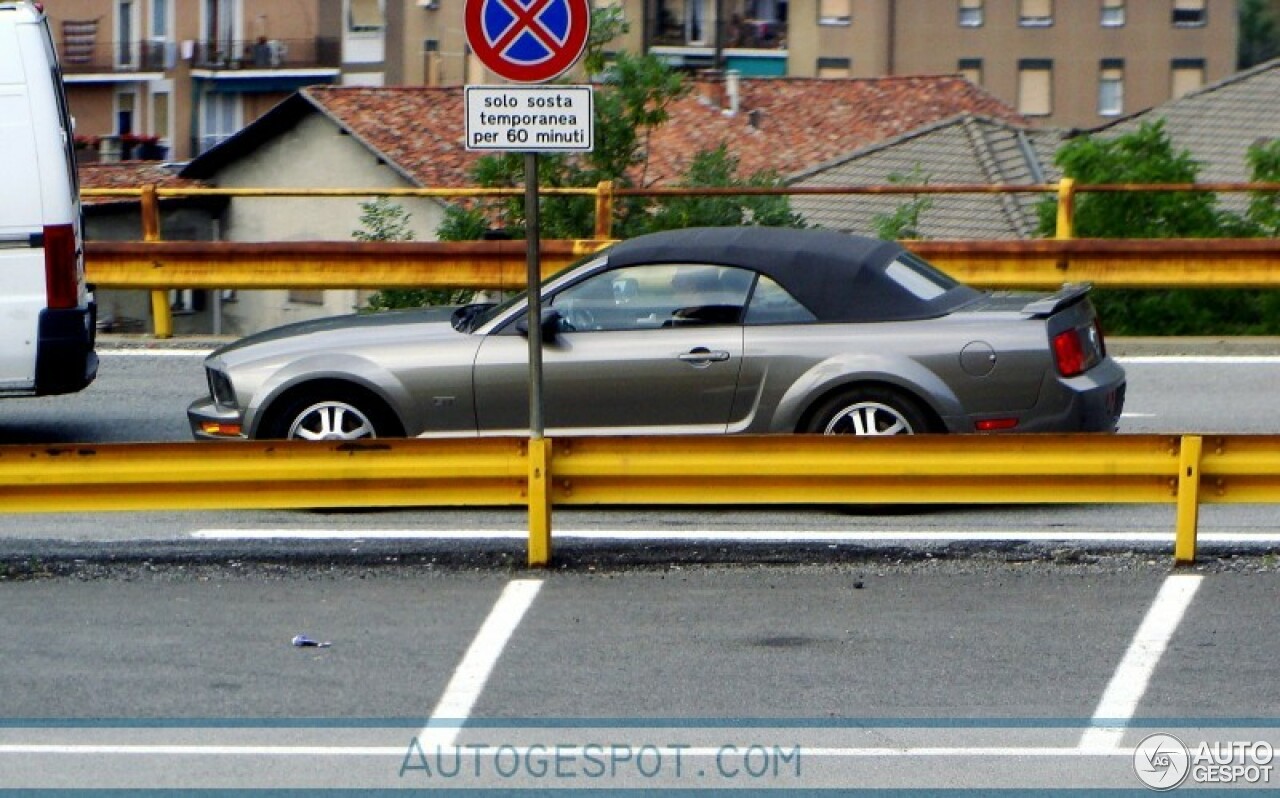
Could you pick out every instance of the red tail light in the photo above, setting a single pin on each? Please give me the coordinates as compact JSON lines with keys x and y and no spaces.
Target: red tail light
{"x":61,"y":284}
{"x":1068,"y":353}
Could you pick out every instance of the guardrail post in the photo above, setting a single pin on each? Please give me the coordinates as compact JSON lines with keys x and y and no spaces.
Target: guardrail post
{"x":604,"y":209}
{"x":1066,"y":208}
{"x":539,"y":502}
{"x":161,"y":316}
{"x":1184,"y":549}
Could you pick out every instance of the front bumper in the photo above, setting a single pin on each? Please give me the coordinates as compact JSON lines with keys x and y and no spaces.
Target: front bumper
{"x":213,"y":422}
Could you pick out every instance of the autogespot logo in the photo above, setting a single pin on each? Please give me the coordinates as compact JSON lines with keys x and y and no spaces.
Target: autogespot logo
{"x":1161,"y":761}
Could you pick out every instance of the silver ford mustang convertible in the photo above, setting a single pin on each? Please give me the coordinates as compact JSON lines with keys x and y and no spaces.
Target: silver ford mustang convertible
{"x":709,"y":330}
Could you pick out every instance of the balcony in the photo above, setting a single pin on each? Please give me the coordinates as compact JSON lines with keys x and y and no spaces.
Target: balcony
{"x":270,"y":54}
{"x":84,"y":56}
{"x":749,"y":36}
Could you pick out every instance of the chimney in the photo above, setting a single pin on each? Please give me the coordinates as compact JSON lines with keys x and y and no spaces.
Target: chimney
{"x":733,"y":92}
{"x":710,"y":86}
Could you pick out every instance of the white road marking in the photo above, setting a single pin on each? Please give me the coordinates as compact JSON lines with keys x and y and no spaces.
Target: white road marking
{"x":731,"y":536}
{"x":154,"y":352}
{"x":1200,"y":360}
{"x":80,"y":749}
{"x":471,"y":674}
{"x":1129,"y":682}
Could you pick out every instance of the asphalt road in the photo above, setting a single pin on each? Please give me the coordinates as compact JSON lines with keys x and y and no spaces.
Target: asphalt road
{"x":155,"y":650}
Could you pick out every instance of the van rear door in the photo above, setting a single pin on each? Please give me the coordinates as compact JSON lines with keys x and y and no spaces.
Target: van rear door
{"x":22,"y":271}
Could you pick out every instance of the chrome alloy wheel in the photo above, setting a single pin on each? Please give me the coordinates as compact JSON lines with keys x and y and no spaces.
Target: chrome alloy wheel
{"x":868,"y":418}
{"x":331,"y":421}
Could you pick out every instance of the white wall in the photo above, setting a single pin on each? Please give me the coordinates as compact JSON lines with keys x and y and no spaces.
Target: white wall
{"x":315,"y":154}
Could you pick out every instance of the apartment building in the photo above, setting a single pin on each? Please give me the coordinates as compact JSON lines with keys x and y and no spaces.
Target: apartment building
{"x":171,"y":78}
{"x":1071,"y":63}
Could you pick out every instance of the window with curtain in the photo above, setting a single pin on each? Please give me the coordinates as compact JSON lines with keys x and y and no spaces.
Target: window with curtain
{"x":834,"y":12}
{"x":834,"y":67}
{"x":971,"y":70}
{"x":970,"y":13}
{"x":1112,"y":13}
{"x":365,"y":16}
{"x":1187,"y":76}
{"x":1189,"y":13}
{"x":1035,"y":87}
{"x":1111,"y":88}
{"x":1035,"y":13}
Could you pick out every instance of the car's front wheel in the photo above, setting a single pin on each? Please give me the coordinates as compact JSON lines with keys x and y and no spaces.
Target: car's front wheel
{"x":870,"y":410}
{"x":334,"y":414}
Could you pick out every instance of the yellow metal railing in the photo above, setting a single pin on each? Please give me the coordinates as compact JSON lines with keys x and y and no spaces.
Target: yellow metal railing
{"x":1186,"y":471}
{"x":1040,"y":263}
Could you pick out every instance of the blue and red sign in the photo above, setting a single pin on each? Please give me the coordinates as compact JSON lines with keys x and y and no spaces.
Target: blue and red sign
{"x":528,"y":41}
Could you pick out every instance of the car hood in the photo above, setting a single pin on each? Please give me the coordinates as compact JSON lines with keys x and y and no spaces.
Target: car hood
{"x":338,"y":331}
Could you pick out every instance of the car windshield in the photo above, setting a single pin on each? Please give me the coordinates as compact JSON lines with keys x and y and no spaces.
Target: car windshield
{"x":473,"y":317}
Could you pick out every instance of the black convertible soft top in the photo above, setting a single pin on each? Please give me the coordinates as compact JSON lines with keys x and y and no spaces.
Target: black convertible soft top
{"x":838,"y":277}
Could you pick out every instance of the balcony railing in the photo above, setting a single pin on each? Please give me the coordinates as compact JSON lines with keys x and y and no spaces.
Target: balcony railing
{"x":268,"y":54}
{"x":751,"y":34}
{"x":82,"y":56}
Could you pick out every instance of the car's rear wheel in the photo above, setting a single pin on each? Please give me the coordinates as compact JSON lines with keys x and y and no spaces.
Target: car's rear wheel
{"x":869,"y":410}
{"x":332,"y":414}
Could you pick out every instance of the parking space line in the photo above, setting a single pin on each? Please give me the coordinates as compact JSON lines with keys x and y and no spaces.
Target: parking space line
{"x":472,"y":673}
{"x":1129,"y":682}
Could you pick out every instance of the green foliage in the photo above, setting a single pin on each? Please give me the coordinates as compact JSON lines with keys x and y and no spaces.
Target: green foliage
{"x":904,"y":222}
{"x":718,"y":169}
{"x":632,"y":99}
{"x":1147,"y":156}
{"x":1264,"y":206}
{"x":383,"y":220}
{"x":1259,"y":34}
{"x":1143,"y":156}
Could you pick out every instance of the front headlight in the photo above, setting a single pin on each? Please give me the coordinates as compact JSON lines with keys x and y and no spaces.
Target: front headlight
{"x":220,"y":388}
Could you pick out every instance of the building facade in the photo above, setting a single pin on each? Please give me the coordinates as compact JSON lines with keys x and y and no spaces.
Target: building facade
{"x":1068,"y":63}
{"x":171,"y":78}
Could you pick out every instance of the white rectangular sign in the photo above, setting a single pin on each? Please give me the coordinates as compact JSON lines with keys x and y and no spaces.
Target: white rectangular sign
{"x":530,"y":118}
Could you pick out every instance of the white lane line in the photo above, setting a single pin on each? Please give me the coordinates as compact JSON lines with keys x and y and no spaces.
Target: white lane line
{"x":154,"y":352}
{"x":1199,"y":360}
{"x":80,"y":749}
{"x":473,"y":672}
{"x":1129,"y":682}
{"x":740,"y":536}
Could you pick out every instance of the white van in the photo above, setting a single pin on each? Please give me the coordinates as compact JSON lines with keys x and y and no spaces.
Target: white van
{"x":47,"y":316}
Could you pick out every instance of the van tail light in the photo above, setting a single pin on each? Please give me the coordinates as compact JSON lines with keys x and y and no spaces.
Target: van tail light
{"x":1068,"y":353}
{"x":61,"y":276}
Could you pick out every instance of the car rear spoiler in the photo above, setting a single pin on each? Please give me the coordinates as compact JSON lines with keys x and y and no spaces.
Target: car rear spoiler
{"x":1069,"y":294}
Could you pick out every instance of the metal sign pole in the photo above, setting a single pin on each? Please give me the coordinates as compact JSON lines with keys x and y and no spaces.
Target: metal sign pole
{"x":534,"y":278}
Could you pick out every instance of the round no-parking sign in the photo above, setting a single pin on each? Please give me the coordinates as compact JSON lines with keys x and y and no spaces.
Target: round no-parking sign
{"x":528,"y":41}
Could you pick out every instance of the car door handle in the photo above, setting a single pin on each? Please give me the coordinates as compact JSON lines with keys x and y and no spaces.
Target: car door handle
{"x":702,"y":355}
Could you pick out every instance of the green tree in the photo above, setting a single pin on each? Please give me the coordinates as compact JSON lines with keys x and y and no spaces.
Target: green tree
{"x":1144,"y":156}
{"x":1259,"y":33}
{"x":384,"y":220}
{"x":633,"y":97}
{"x":1147,"y":156}
{"x":904,"y":221}
{"x":718,"y":169}
{"x":1264,"y":206}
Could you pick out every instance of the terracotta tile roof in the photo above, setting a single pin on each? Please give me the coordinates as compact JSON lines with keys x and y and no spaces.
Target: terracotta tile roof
{"x":783,"y":124}
{"x":792,"y":124}
{"x":127,"y":174}
{"x":419,"y":130}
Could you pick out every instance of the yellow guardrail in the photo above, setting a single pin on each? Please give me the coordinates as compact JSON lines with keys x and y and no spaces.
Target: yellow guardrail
{"x":1186,"y":471}
{"x":160,"y":266}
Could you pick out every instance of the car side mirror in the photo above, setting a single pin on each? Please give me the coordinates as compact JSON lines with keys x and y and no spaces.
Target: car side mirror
{"x":551,"y":321}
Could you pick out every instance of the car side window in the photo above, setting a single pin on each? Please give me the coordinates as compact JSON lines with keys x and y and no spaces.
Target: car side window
{"x":655,"y":297}
{"x":771,"y":304}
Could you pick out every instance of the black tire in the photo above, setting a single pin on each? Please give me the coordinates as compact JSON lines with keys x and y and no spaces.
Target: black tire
{"x":333,"y":412}
{"x":869,"y":410}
